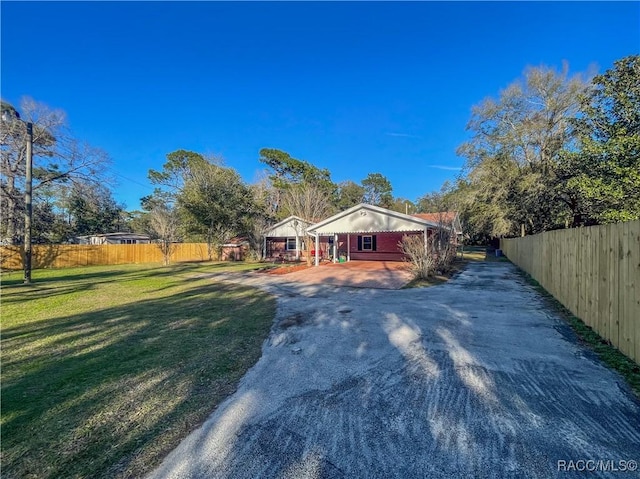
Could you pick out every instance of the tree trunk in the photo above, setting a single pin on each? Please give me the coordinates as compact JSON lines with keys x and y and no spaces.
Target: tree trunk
{"x":11,"y":215}
{"x":210,"y":244}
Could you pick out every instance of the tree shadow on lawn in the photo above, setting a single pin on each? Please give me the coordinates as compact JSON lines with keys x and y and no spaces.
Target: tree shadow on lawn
{"x":48,"y":284}
{"x":50,"y":276}
{"x":30,"y":293}
{"x":51,"y":286}
{"x":107,"y":273}
{"x":108,"y":393}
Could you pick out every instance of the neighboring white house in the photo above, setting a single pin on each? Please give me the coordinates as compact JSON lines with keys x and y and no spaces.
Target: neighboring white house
{"x":113,"y":238}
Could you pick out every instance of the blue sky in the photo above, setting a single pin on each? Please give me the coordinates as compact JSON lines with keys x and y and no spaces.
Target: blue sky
{"x":353,"y":87}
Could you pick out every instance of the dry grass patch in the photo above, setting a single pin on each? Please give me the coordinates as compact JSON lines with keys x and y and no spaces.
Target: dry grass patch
{"x":470,"y":255}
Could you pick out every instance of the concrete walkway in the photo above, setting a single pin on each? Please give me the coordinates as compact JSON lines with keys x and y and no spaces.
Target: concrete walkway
{"x":474,"y":378}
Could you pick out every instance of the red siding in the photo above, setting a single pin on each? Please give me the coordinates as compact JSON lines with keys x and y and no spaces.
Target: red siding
{"x":375,"y":256}
{"x":277,"y":247}
{"x":386,"y":247}
{"x":234,"y":253}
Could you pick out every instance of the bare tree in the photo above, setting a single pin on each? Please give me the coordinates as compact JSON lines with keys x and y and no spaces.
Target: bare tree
{"x":307,"y":202}
{"x":514,"y":153}
{"x":58,"y":157}
{"x":265,"y":195}
{"x":421,"y":262}
{"x":266,"y":200}
{"x":164,"y":222}
{"x":425,"y":260}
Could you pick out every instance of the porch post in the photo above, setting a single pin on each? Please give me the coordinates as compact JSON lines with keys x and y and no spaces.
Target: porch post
{"x":425,"y":239}
{"x":297,"y":248}
{"x":348,"y":247}
{"x":264,"y":247}
{"x":317,"y":249}
{"x":335,"y":247}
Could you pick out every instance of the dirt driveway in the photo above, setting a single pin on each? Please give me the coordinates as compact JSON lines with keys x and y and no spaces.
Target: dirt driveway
{"x":473,"y":378}
{"x":357,"y":274}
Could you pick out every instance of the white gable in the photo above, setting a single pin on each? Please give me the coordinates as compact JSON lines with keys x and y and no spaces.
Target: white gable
{"x":288,"y":228}
{"x":365,"y":218}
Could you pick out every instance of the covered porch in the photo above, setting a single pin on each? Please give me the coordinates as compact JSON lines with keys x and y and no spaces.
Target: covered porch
{"x":370,"y":233}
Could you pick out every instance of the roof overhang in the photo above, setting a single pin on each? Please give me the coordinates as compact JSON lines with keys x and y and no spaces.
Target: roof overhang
{"x":116,"y":235}
{"x":291,"y":226}
{"x":364,"y":218}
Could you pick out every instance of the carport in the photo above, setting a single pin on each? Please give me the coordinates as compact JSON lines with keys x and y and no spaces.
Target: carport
{"x":370,"y":233}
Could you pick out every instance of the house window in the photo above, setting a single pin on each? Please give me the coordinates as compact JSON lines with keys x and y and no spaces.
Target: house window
{"x":127,"y":241}
{"x":367,"y":243}
{"x":291,"y":244}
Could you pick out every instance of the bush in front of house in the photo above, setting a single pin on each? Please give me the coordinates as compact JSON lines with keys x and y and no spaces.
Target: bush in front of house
{"x":425,"y":262}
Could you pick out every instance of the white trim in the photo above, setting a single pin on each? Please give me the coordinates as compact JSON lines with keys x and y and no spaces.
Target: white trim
{"x":370,"y":245}
{"x":284,"y":222}
{"x":317,"y":250}
{"x":286,"y":243}
{"x":425,"y":232}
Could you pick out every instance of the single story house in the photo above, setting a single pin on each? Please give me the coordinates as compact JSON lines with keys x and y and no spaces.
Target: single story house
{"x":113,"y":238}
{"x":363,"y":232}
{"x":367,"y":232}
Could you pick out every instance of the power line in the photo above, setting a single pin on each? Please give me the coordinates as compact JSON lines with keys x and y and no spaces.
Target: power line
{"x":133,"y":181}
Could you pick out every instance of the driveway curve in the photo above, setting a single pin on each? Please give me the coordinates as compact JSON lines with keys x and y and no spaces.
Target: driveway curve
{"x":473,"y":378}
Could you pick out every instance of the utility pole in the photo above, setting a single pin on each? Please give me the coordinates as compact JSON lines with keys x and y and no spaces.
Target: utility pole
{"x":28,"y":211}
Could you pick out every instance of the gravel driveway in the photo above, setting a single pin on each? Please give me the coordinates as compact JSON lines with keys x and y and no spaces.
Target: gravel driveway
{"x":474,"y":378}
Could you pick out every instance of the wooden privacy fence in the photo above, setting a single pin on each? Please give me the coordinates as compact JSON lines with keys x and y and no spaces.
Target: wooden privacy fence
{"x":66,"y":256}
{"x":594,"y":272}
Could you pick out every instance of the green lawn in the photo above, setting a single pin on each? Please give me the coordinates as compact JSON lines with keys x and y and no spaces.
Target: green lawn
{"x":105,"y":369}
